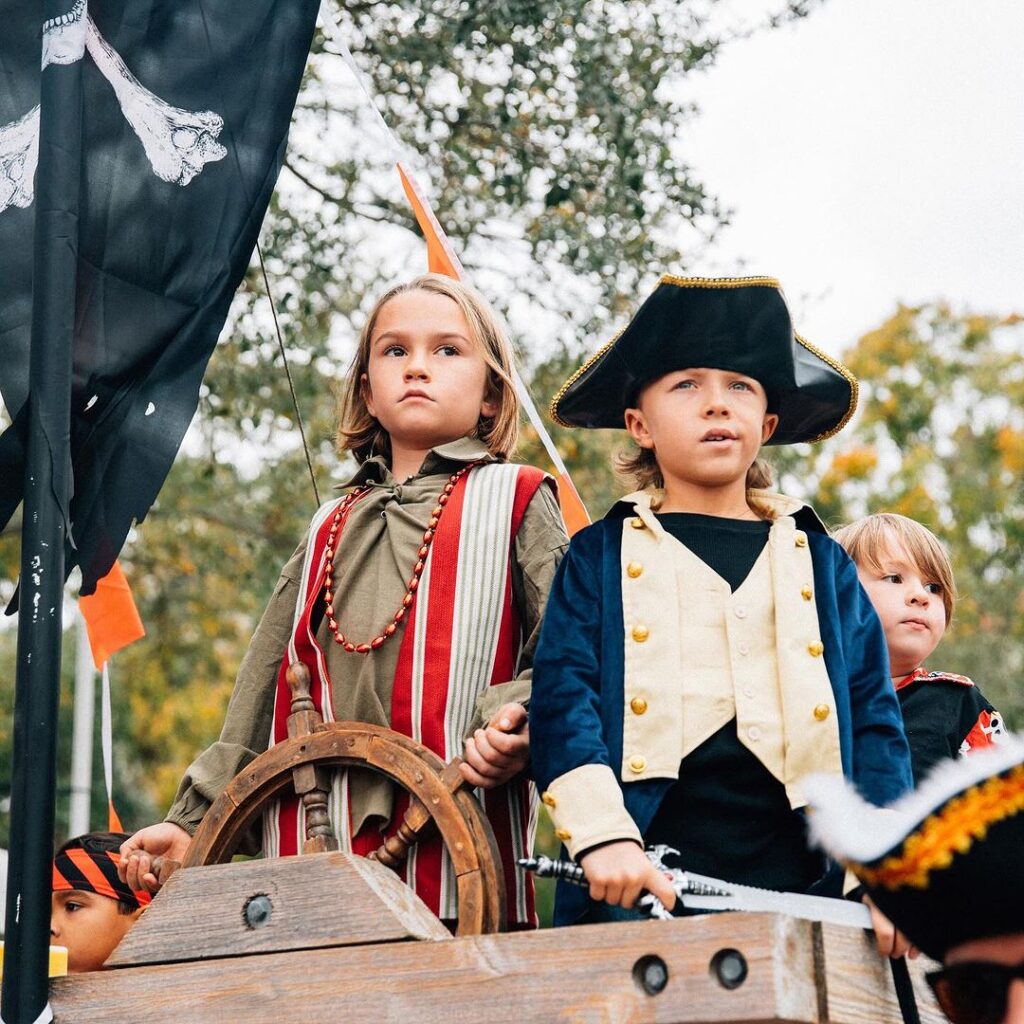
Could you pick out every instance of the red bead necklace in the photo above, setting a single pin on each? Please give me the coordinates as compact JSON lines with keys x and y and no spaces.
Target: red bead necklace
{"x":340,"y":516}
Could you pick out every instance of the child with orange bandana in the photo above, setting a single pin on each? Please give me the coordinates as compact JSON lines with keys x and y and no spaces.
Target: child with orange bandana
{"x":92,"y":909}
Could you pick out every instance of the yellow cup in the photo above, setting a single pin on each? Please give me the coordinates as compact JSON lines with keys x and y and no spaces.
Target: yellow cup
{"x":58,"y":961}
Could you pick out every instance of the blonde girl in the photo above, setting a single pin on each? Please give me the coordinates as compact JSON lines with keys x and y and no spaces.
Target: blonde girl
{"x":415,"y":599}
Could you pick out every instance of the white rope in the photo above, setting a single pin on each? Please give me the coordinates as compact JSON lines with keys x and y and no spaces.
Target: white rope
{"x":107,"y":734}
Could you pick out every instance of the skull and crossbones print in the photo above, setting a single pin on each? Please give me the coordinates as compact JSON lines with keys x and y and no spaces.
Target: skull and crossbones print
{"x":178,"y":143}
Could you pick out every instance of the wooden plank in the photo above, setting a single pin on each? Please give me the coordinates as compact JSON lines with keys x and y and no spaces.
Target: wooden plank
{"x":798,"y":972}
{"x":859,"y":985}
{"x":326,"y":899}
{"x":579,"y":974}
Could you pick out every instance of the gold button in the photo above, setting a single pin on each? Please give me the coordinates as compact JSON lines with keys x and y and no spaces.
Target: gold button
{"x":548,"y":800}
{"x":816,"y":649}
{"x":638,"y":705}
{"x":801,"y":539}
{"x":806,"y":593}
{"x":634,"y":569}
{"x":821,"y":712}
{"x":637,"y":523}
{"x":640,"y":633}
{"x":637,"y":763}
{"x":564,"y":834}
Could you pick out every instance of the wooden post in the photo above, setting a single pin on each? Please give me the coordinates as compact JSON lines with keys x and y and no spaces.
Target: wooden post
{"x":312,"y":782}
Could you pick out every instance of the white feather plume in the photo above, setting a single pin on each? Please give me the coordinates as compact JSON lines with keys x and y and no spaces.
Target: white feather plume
{"x":850,"y":829}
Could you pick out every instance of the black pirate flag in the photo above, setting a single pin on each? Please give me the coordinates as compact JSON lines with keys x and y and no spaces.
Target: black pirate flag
{"x":185,"y":107}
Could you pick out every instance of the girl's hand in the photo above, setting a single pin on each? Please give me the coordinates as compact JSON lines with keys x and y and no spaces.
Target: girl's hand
{"x":889,"y":939}
{"x":619,"y":872}
{"x":165,"y":842}
{"x":496,"y":753}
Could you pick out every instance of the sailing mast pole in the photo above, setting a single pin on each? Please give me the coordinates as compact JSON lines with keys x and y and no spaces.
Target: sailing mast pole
{"x":44,"y":533}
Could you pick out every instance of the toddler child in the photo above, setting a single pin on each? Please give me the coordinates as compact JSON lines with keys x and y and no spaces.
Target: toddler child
{"x":908,"y":576}
{"x":91,"y":909}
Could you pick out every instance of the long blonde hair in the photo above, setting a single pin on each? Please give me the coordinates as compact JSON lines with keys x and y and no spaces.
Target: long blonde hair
{"x":640,"y":467}
{"x":363,"y":436}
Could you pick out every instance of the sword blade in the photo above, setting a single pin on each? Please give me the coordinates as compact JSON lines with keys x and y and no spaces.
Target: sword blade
{"x":807,"y":908}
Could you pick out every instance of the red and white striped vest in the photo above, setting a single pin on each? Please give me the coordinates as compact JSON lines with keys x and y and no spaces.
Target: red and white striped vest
{"x":462,"y":634}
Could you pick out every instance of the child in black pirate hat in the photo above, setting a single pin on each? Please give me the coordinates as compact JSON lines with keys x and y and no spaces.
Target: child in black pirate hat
{"x":946,"y":864}
{"x":706,"y":645}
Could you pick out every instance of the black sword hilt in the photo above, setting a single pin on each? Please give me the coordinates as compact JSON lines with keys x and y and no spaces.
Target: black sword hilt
{"x":545,"y":867}
{"x":570,"y":871}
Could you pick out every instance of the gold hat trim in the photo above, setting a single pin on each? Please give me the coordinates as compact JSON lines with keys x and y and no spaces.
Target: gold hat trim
{"x":844,"y":372}
{"x":961,"y":822}
{"x":721,"y":282}
{"x":595,"y":358}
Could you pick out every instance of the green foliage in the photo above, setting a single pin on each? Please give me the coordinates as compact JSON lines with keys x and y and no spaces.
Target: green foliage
{"x":940,"y":438}
{"x":550,"y":134}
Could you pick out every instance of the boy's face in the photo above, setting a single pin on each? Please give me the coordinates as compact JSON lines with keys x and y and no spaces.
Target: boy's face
{"x":705,"y":426}
{"x":89,"y":925}
{"x":909,"y":605}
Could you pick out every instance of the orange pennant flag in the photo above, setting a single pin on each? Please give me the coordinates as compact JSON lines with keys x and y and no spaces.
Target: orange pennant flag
{"x":111,"y":618}
{"x":441,"y":259}
{"x":574,"y":512}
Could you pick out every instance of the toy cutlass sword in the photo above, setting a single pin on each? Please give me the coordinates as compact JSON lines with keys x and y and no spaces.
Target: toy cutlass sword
{"x":701,"y":892}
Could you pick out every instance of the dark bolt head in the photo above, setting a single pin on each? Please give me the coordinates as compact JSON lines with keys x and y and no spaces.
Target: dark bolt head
{"x":729,"y":968}
{"x":257,"y":910}
{"x":650,"y":974}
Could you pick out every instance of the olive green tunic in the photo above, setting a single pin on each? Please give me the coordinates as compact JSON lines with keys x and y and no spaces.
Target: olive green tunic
{"x":372,"y":567}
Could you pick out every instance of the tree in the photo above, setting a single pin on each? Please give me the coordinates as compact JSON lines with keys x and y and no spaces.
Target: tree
{"x":550,"y":130}
{"x":940,"y":438}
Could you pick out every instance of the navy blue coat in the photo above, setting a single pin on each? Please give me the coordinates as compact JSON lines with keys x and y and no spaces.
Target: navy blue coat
{"x":576,"y":705}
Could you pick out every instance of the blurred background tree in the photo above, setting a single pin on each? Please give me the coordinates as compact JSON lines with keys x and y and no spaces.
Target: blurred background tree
{"x":549,"y":132}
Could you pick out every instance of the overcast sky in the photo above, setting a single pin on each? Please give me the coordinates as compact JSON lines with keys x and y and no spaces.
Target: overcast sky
{"x":872,"y":152}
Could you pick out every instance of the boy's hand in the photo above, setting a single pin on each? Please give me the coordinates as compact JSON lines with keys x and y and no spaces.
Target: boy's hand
{"x":139,"y":854}
{"x":501,"y":750}
{"x":619,"y":872}
{"x":889,"y":939}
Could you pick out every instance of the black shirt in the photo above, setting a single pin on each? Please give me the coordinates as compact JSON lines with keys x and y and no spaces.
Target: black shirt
{"x":727,"y":814}
{"x":944,"y":714}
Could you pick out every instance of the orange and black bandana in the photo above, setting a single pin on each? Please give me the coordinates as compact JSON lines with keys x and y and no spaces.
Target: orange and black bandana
{"x":94,"y":871}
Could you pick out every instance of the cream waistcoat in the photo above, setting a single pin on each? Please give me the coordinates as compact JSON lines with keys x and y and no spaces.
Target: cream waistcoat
{"x":697,"y":655}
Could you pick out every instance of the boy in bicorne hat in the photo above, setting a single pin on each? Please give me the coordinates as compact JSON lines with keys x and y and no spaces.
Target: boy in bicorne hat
{"x":706,"y":645}
{"x":945,"y":865}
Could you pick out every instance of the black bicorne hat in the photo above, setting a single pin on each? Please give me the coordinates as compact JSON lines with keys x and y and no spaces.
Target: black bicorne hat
{"x":726,"y":323}
{"x":945,"y":863}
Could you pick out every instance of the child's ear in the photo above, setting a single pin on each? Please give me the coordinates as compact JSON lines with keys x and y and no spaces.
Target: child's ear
{"x":771,"y":421}
{"x":637,"y":427}
{"x":489,"y":408}
{"x":367,"y":394}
